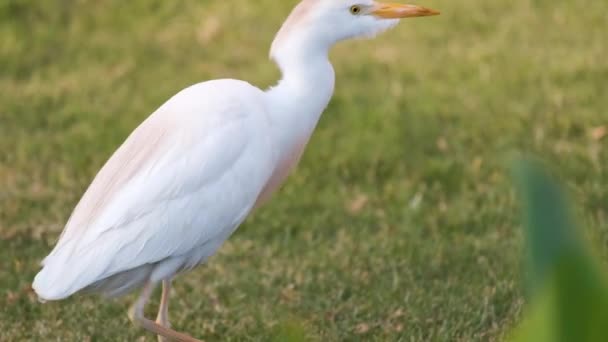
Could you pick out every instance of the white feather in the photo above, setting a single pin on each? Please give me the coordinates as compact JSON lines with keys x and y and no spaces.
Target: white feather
{"x":183,"y":180}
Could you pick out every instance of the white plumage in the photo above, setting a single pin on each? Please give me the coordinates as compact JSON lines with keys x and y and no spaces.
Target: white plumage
{"x":186,"y":178}
{"x":178,"y":172}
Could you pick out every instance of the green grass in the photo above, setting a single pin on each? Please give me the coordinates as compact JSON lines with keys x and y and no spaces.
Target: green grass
{"x":401,"y":222}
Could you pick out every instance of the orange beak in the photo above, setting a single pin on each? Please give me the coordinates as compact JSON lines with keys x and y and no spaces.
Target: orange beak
{"x":398,"y":11}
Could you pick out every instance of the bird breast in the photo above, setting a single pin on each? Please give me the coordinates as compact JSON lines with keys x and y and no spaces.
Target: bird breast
{"x":286,"y":163}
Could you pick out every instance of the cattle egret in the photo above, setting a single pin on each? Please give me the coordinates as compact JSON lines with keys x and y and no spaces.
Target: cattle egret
{"x":185,"y":179}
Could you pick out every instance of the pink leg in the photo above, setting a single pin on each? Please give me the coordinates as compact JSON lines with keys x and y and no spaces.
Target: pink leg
{"x":136,"y":314}
{"x":163,"y":310}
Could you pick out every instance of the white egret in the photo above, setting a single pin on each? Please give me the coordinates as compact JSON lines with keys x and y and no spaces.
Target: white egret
{"x":185,"y":179}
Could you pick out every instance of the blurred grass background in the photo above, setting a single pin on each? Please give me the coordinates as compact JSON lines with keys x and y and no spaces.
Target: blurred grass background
{"x":401,"y":222}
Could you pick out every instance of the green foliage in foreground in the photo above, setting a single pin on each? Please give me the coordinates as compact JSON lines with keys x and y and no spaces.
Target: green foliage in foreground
{"x":569,"y":291}
{"x":401,"y":221}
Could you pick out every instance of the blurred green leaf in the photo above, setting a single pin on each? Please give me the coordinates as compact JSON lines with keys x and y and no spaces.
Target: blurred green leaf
{"x":549,"y":226}
{"x":569,"y":292}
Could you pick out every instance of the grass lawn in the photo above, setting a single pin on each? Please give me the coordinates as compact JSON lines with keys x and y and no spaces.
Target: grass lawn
{"x":400,"y":223}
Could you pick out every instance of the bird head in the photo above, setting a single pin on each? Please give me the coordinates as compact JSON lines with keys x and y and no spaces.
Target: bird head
{"x":319,"y":24}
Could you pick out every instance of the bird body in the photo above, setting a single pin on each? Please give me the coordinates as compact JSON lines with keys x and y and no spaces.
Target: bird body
{"x":171,"y":194}
{"x":193,"y":171}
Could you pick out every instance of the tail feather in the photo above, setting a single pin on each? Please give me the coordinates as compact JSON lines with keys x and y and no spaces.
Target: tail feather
{"x":64,"y":273}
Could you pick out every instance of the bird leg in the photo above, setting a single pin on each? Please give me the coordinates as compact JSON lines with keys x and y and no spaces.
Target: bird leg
{"x":136,"y":314}
{"x":163,"y":310}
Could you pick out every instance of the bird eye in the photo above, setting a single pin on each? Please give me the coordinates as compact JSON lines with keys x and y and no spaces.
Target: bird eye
{"x":355,"y":9}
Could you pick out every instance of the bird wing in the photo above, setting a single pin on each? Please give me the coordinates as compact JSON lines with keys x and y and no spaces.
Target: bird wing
{"x":187,"y":175}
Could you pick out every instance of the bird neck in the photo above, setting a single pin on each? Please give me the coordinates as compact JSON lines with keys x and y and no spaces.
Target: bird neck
{"x":302,"y":94}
